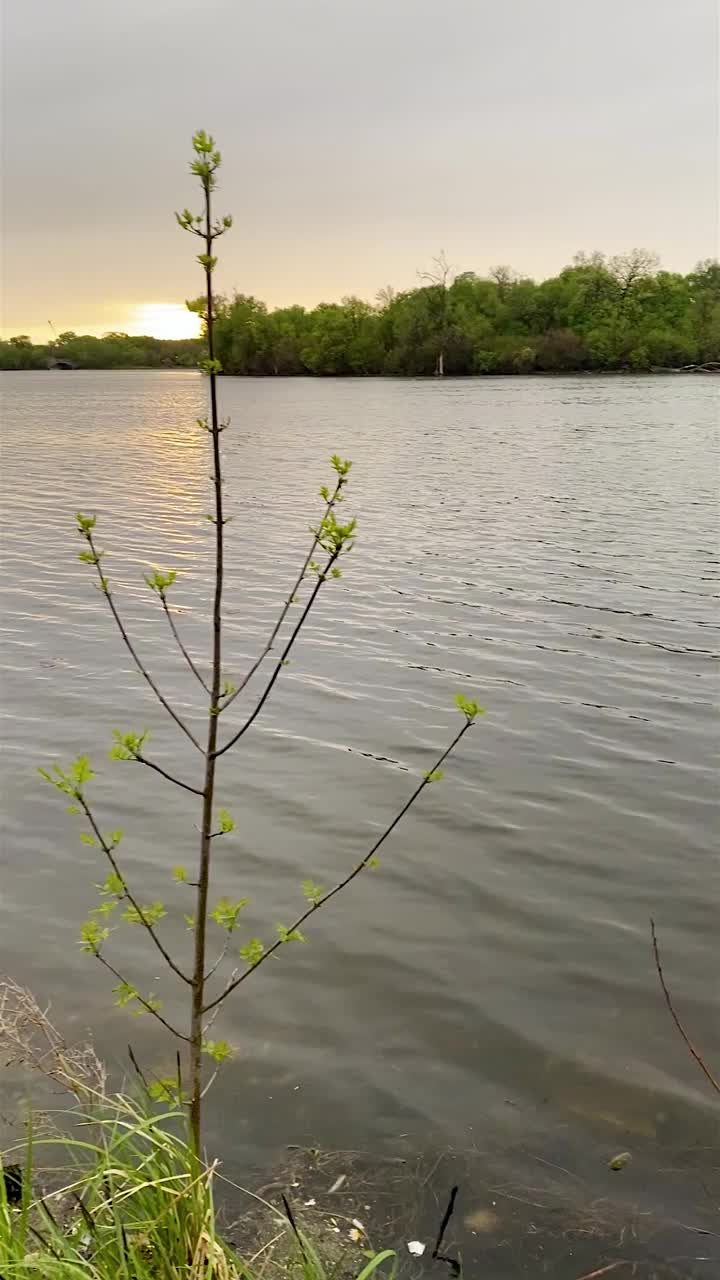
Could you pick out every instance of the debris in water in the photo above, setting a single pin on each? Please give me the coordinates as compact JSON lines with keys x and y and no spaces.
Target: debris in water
{"x":416,"y":1247}
{"x":619,"y":1161}
{"x":338,"y":1183}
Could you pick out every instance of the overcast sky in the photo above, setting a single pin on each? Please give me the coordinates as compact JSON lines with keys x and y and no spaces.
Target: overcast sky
{"x":359,"y":137}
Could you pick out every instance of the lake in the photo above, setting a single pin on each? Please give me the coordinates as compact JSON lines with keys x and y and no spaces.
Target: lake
{"x":487,"y":995}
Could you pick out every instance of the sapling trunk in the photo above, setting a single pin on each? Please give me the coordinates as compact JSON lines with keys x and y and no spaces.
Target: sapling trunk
{"x":206,"y":835}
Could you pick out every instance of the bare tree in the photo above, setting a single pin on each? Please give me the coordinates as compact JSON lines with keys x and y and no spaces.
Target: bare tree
{"x":504,"y":277}
{"x":385,"y":297}
{"x":437,"y":277}
{"x":628,"y":268}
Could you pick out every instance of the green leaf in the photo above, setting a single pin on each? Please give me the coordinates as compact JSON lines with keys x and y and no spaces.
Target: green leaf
{"x":149,"y":914}
{"x":228,"y":689}
{"x":252,"y":952}
{"x":207,"y":261}
{"x":434,"y":775}
{"x":160,"y":582}
{"x":469,"y":708}
{"x":218,"y":1049}
{"x":373,"y":862}
{"x":313,"y":892}
{"x":333,"y":536}
{"x":128,"y":746}
{"x":113,"y":838}
{"x":289,"y":935}
{"x":80,"y":771}
{"x":189,"y":922}
{"x":113,"y":885}
{"x":179,"y":874}
{"x":86,"y":838}
{"x":226,"y":822}
{"x":124,"y":994}
{"x":225,"y":913}
{"x":106,"y":908}
{"x":70,"y":782}
{"x":85,"y":523}
{"x":92,"y":936}
{"x":164,"y":1089}
{"x":339,"y":465}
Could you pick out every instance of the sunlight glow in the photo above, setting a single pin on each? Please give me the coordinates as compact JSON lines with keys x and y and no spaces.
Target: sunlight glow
{"x":164,"y":320}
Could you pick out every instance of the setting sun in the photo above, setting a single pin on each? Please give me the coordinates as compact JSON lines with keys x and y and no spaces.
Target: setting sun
{"x":164,"y":320}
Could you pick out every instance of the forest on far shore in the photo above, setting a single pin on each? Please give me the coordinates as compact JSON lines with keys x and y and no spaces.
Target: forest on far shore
{"x":614,"y":314}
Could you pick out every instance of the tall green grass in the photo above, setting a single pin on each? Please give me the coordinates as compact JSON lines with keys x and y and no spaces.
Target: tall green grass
{"x":131,"y":1201}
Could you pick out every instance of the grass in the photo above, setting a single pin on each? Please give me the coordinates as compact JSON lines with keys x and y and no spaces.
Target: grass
{"x":132,"y":1202}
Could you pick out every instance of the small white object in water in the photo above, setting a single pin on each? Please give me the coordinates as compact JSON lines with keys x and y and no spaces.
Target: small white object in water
{"x":416,"y":1247}
{"x":310,"y":1204}
{"x":337,"y":1183}
{"x":357,"y":1224}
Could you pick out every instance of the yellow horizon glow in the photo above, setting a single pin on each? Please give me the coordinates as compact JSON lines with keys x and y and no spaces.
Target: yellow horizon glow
{"x":164,"y":320}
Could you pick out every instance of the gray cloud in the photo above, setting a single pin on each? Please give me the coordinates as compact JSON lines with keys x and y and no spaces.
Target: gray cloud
{"x":358,"y":137}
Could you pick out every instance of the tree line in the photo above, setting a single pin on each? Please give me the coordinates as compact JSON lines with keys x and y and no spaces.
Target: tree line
{"x":112,"y":351}
{"x":599,"y":313}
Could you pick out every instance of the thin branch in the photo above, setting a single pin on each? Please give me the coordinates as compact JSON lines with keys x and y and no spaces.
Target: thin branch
{"x":146,"y":1005}
{"x":668,"y":1000}
{"x":141,"y":759}
{"x":130,"y":646}
{"x":219,"y":960}
{"x":342,"y":884}
{"x":283,"y":614}
{"x":107,"y":850}
{"x":180,"y":644}
{"x":282,"y":659}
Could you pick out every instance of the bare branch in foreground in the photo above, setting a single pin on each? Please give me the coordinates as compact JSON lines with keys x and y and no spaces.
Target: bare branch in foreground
{"x":281,"y":660}
{"x":147,"y":1006}
{"x":141,"y":759}
{"x":180,"y":645}
{"x":109,"y":854}
{"x":429,"y":777}
{"x":85,"y":527}
{"x":668,"y":1000}
{"x":342,"y":480}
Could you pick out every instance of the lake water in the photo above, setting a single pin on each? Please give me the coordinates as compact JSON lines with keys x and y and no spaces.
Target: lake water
{"x":548,"y":546}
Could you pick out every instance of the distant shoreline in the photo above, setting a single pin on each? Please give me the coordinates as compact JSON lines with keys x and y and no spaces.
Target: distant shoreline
{"x":670,"y":371}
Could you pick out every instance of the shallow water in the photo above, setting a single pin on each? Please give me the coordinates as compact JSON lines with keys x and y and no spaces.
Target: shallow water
{"x":547,"y":545}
